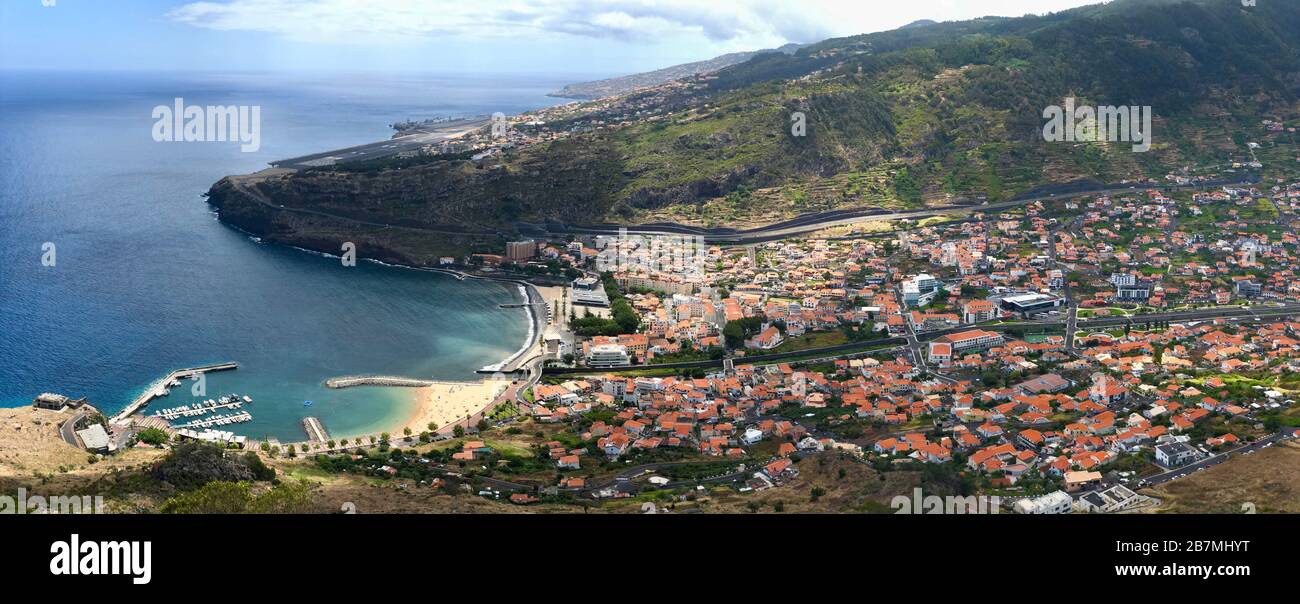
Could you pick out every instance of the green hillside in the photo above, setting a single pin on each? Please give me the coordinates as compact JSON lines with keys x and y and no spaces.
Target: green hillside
{"x":925,"y":115}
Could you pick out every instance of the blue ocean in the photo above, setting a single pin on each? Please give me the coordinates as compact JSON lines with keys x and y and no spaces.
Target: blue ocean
{"x":146,"y":280}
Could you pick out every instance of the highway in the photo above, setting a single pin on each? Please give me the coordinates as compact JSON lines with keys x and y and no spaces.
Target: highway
{"x":809,"y":223}
{"x":1250,"y":314}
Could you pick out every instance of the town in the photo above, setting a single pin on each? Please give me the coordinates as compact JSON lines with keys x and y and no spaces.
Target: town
{"x":1048,"y":354}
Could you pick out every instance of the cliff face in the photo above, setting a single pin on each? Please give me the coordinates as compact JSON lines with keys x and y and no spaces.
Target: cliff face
{"x":243,"y":205}
{"x":560,"y":185}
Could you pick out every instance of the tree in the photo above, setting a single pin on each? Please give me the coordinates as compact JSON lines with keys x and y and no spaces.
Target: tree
{"x":458,"y":431}
{"x":215,"y":497}
{"x":154,"y":436}
{"x":192,"y":465}
{"x":260,"y":470}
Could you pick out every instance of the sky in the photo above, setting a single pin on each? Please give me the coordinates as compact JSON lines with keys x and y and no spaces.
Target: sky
{"x":450,"y":36}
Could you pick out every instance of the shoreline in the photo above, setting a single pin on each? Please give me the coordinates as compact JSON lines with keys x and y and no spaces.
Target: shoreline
{"x":426,"y":396}
{"x":447,"y":403}
{"x":529,"y":341}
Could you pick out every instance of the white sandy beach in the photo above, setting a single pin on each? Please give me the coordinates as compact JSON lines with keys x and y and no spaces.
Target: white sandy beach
{"x":445,"y":403}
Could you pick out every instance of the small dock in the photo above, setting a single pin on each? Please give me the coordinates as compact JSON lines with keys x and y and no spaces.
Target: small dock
{"x":315,"y":430}
{"x":160,"y":387}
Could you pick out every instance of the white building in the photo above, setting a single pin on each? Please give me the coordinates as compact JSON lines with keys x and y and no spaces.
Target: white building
{"x":588,"y":291}
{"x":1058,"y":502}
{"x":920,"y":290}
{"x":1175,"y":454}
{"x":95,"y":438}
{"x":607,"y":355}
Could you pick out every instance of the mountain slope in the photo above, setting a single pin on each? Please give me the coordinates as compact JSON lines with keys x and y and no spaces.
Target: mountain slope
{"x":608,"y":87}
{"x":918,"y":116}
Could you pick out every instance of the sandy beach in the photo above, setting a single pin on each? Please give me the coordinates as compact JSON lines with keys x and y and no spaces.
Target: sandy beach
{"x":444,"y":403}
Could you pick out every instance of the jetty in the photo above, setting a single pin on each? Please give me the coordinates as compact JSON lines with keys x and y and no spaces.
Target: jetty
{"x":160,"y":387}
{"x":376,"y":380}
{"x":315,"y":430}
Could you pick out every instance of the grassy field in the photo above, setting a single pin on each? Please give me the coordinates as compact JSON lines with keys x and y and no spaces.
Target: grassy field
{"x":1269,"y":479}
{"x":816,"y":339}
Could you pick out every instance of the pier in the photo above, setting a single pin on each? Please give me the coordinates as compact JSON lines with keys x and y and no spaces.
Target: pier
{"x":157,"y":388}
{"x":315,"y":430}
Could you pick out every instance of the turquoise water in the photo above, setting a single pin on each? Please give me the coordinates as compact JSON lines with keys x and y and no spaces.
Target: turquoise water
{"x":147,"y":280}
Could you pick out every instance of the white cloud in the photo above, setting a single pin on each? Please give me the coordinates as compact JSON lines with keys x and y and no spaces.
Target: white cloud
{"x":739,"y":23}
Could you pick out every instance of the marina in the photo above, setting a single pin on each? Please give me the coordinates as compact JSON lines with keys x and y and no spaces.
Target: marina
{"x":161,"y":388}
{"x":220,"y":420}
{"x":230,"y":401}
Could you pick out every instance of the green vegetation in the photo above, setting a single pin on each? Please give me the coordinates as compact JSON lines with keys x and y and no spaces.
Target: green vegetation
{"x":623,"y":319}
{"x":219,"y":497}
{"x":152,"y":436}
{"x":736,"y":332}
{"x":895,"y":119}
{"x":191,"y":465}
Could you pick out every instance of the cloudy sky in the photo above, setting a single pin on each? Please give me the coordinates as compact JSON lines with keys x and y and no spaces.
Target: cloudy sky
{"x":506,"y":36}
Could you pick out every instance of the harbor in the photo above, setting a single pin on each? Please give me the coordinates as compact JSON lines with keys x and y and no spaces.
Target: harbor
{"x":163,"y":387}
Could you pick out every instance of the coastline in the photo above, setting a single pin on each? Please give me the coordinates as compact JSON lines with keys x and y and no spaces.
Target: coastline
{"x":446,"y":403}
{"x":529,"y":341}
{"x":441,"y":402}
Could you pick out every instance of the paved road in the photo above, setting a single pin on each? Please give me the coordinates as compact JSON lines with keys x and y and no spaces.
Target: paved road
{"x":815,"y":222}
{"x":1213,"y":460}
{"x":1071,"y":305}
{"x":913,"y":342}
{"x":1256,"y":313}
{"x":68,"y":429}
